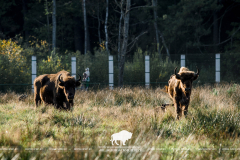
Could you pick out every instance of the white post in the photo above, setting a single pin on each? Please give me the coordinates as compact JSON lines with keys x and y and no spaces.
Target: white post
{"x":111,"y":72}
{"x":147,"y":71}
{"x":183,"y":60}
{"x":217,"y":71}
{"x":73,"y":66}
{"x":34,"y":70}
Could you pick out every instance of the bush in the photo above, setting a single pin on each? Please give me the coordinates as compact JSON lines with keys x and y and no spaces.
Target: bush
{"x":97,"y":64}
{"x":160,"y":70}
{"x":16,"y":65}
{"x":54,"y":64}
{"x":15,"y":68}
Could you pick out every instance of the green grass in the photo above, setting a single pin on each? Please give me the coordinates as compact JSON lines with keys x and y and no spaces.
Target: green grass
{"x":211,"y":129}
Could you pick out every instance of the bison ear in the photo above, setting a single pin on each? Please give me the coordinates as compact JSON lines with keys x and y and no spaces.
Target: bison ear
{"x":77,"y":83}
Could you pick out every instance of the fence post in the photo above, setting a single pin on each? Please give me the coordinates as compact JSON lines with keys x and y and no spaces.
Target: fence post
{"x":34,"y":70}
{"x":147,"y":71}
{"x":111,"y":72}
{"x":73,"y":66}
{"x":183,"y":60}
{"x":217,"y":70}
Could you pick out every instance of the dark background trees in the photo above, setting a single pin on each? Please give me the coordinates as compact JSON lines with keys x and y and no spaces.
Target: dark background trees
{"x":167,"y":27}
{"x":187,"y":26}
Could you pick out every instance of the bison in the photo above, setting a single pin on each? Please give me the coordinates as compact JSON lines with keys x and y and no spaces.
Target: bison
{"x":57,"y":89}
{"x":121,"y":136}
{"x":179,"y":89}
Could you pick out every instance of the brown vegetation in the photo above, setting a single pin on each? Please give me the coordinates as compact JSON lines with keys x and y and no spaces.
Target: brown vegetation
{"x":212,"y":125}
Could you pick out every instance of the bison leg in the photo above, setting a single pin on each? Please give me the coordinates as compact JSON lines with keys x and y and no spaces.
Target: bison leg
{"x":178,"y":108}
{"x":58,"y":105}
{"x":179,"y":112}
{"x":68,"y":105}
{"x":124,"y":141}
{"x":185,"y":110}
{"x":116,"y":142}
{"x":37,"y":98}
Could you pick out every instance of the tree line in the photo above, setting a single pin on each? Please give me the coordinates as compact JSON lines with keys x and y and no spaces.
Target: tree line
{"x":119,"y":27}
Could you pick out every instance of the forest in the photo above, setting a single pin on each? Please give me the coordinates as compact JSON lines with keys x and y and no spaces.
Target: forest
{"x":121,"y":28}
{"x":185,"y":26}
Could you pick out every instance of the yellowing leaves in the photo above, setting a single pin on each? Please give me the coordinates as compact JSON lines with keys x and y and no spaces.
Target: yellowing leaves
{"x":52,"y":64}
{"x":10,"y":49}
{"x":102,"y":45}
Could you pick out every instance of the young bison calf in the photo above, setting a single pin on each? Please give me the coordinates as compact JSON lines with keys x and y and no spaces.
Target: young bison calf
{"x":179,"y":88}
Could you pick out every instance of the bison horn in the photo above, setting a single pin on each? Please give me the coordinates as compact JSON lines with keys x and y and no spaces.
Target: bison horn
{"x":79,"y":78}
{"x":60,"y":79}
{"x":177,"y":75}
{"x":198,"y":71}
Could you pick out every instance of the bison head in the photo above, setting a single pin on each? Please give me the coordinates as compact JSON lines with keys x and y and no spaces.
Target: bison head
{"x":69,"y":86}
{"x":186,"y":77}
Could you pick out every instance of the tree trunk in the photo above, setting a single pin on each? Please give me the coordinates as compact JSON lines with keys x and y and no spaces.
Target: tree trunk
{"x":119,"y":33}
{"x":99,"y":25}
{"x":48,"y":26}
{"x":124,"y":43}
{"x":164,"y":44}
{"x":85,"y":27}
{"x":106,"y":30}
{"x":215,"y":31}
{"x":154,"y":3}
{"x":77,"y":35}
{"x":88,"y":39}
{"x":25,"y":29}
{"x":54,"y":27}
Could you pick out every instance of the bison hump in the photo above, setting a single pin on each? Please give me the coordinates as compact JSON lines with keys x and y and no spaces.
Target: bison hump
{"x":45,"y":80}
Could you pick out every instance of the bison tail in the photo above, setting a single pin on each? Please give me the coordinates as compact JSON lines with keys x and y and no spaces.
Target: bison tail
{"x":166,"y":89}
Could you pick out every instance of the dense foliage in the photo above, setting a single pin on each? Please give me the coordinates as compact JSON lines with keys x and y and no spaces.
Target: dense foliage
{"x":204,"y":26}
{"x":197,"y":29}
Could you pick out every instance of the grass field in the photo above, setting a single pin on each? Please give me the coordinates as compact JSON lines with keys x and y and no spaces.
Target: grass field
{"x":210,"y":131}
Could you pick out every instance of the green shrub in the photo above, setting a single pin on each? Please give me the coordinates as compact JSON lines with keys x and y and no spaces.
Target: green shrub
{"x":54,"y":64}
{"x":15,"y":68}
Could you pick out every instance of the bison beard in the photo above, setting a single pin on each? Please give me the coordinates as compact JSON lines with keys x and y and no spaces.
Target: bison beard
{"x":57,"y":89}
{"x":179,"y":89}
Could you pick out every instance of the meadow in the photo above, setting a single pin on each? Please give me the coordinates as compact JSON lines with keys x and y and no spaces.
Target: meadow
{"x":210,"y":131}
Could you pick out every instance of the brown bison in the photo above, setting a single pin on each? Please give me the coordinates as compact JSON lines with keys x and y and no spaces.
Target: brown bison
{"x":179,"y":88}
{"x":57,"y":89}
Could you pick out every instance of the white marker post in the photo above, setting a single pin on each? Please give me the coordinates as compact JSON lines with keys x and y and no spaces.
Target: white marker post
{"x":217,"y":71}
{"x":73,"y":67}
{"x":34,"y":70}
{"x":111,"y":72}
{"x":147,"y":71}
{"x":183,"y":60}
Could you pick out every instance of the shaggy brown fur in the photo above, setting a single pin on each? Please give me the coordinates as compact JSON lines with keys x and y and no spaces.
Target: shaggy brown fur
{"x":57,"y":89}
{"x":179,"y":89}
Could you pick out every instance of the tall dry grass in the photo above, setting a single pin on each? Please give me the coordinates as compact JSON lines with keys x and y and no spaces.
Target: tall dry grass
{"x":212,"y":124}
